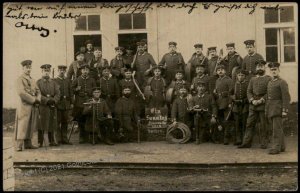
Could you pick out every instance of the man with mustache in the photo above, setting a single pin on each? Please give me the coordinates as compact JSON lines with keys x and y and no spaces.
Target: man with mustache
{"x":198,"y":58}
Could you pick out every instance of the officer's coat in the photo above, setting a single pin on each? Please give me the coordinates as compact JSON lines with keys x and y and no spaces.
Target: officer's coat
{"x":27,"y":115}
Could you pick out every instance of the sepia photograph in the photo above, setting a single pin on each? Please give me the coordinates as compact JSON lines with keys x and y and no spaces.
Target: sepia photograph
{"x":150,"y":96}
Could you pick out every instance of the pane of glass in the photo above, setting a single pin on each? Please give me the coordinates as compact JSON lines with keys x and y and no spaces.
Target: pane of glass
{"x":125,"y":21}
{"x":271,"y":16}
{"x":139,"y":21}
{"x":81,"y":23}
{"x":271,"y":54}
{"x":289,"y":54}
{"x":289,"y":36}
{"x":287,"y":14}
{"x":93,"y":22}
{"x":271,"y":36}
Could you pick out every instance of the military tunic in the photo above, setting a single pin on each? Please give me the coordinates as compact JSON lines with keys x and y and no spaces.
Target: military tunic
{"x":224,"y":88}
{"x":198,"y":60}
{"x":257,"y":90}
{"x":172,"y":62}
{"x":158,"y":88}
{"x":177,"y":84}
{"x":74,"y":70}
{"x":110,"y":91}
{"x":212,"y":66}
{"x":96,"y":67}
{"x":27,"y":114}
{"x":195,"y":82}
{"x":141,"y":65}
{"x":180,"y":112}
{"x":249,"y":63}
{"x":278,"y":99}
{"x":128,"y":59}
{"x":231,"y":61}
{"x":88,"y":57}
{"x":117,"y":67}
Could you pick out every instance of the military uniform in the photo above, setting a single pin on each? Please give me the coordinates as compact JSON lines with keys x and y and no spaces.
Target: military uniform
{"x":207,"y":104}
{"x":240,"y":109}
{"x":224,"y":90}
{"x":110,"y":91}
{"x":81,"y":96}
{"x":176,"y":85}
{"x":96,"y":67}
{"x":63,"y":107}
{"x":48,"y":109}
{"x":172,"y":62}
{"x":158,"y":88}
{"x":103,"y":125}
{"x":126,"y":113}
{"x":196,"y":80}
{"x":117,"y":67}
{"x":231,"y":61}
{"x":212,"y":63}
{"x":141,"y":65}
{"x":198,"y":60}
{"x":249,"y":63}
{"x":88,"y":55}
{"x":128,"y":59}
{"x":278,"y":99}
{"x":257,"y":90}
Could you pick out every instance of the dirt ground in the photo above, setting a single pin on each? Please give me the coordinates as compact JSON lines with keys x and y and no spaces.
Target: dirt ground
{"x":137,"y":180}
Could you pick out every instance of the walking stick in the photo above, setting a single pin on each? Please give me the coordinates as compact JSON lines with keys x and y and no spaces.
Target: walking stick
{"x":197,"y":127}
{"x":72,"y":128}
{"x":93,"y":123}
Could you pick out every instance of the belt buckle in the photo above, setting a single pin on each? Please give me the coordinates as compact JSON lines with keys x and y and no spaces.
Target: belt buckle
{"x":48,"y":95}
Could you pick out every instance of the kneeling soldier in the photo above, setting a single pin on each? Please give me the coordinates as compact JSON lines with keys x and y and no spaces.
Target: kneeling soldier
{"x":127,"y":114}
{"x":203,"y":104}
{"x":98,"y":118}
{"x":241,"y":106}
{"x":278,"y":99}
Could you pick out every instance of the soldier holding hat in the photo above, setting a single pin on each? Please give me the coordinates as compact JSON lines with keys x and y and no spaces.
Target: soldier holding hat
{"x":257,"y":96}
{"x":198,"y":58}
{"x":89,"y":54}
{"x":178,"y":83}
{"x":97,"y":64}
{"x":251,"y":58}
{"x":200,"y":76}
{"x":64,"y":105}
{"x":223,"y":95}
{"x":74,"y":69}
{"x":172,"y":62}
{"x":232,"y":61}
{"x":48,"y":108}
{"x":82,"y":88}
{"x":240,"y":105}
{"x":117,"y":64}
{"x":102,"y":117}
{"x":143,"y":64}
{"x":278,"y":100}
{"x":27,"y":110}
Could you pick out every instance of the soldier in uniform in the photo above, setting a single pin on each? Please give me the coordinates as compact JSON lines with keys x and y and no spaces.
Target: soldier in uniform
{"x":74,"y":69}
{"x":128,"y":57}
{"x":240,"y":105}
{"x":212,"y":64}
{"x":172,"y":62}
{"x":143,"y":64}
{"x":223,"y":94}
{"x":232,"y":60}
{"x":97,"y":64}
{"x":126,"y":113}
{"x":278,"y":99}
{"x":198,"y":58}
{"x":109,"y":89}
{"x":257,"y":96}
{"x":251,"y":58}
{"x":201,"y":76}
{"x":89,"y":54}
{"x":27,"y":111}
{"x":82,"y":88}
{"x":117,"y":64}
{"x":48,"y":108}
{"x":158,"y":87}
{"x":178,"y":83}
{"x":204,"y":102}
{"x":64,"y":104}
{"x":102,"y":117}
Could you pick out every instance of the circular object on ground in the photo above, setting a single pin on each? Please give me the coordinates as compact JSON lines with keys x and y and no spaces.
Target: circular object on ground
{"x":183,"y":128}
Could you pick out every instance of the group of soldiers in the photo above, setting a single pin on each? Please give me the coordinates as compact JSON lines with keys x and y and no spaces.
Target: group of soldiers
{"x":210,"y":94}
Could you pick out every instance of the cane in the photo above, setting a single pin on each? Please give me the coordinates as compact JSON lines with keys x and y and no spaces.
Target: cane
{"x":197,"y":127}
{"x":93,"y":124}
{"x":72,"y":128}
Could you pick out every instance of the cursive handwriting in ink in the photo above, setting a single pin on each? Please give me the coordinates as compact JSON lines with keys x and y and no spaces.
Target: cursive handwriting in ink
{"x":44,"y":32}
{"x":251,"y":6}
{"x":191,"y":7}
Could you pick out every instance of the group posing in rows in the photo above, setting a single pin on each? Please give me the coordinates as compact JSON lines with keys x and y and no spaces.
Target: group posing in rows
{"x":221,"y":98}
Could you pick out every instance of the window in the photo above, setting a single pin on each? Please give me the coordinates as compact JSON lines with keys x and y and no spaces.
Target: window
{"x":131,"y":39}
{"x":79,"y":41}
{"x":88,"y":23}
{"x":132,"y":21}
{"x":280,"y":35}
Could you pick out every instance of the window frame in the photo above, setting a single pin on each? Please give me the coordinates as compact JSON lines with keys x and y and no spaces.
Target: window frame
{"x":87,"y":32}
{"x":126,"y":31}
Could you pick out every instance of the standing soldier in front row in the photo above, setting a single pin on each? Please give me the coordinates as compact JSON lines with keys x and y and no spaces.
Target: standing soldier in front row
{"x":64,"y":104}
{"x":278,"y":99}
{"x":48,"y":112}
{"x":82,"y":88}
{"x":223,"y":94}
{"x":257,"y":96}
{"x":240,"y":106}
{"x":172,"y":62}
{"x":232,"y":61}
{"x":27,"y":111}
{"x":102,"y":118}
{"x":126,"y":113}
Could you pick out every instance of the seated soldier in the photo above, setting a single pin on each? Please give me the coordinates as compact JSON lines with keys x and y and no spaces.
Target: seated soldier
{"x":126,"y":113}
{"x":204,"y":107}
{"x":97,"y":112}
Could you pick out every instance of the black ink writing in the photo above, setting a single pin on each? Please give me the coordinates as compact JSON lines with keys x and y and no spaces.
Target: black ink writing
{"x":69,"y":15}
{"x":87,"y":6}
{"x":251,"y":6}
{"x":165,"y":5}
{"x":191,"y":7}
{"x":21,"y":15}
{"x":276,"y":7}
{"x":44,"y":32}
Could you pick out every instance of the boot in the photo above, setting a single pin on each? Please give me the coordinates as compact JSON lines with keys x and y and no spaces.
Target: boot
{"x":20,"y":144}
{"x":108,"y":141}
{"x":274,"y":151}
{"x":244,"y":146}
{"x":28,"y":144}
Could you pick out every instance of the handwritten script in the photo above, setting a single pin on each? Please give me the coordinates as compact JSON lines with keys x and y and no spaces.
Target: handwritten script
{"x":73,"y":11}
